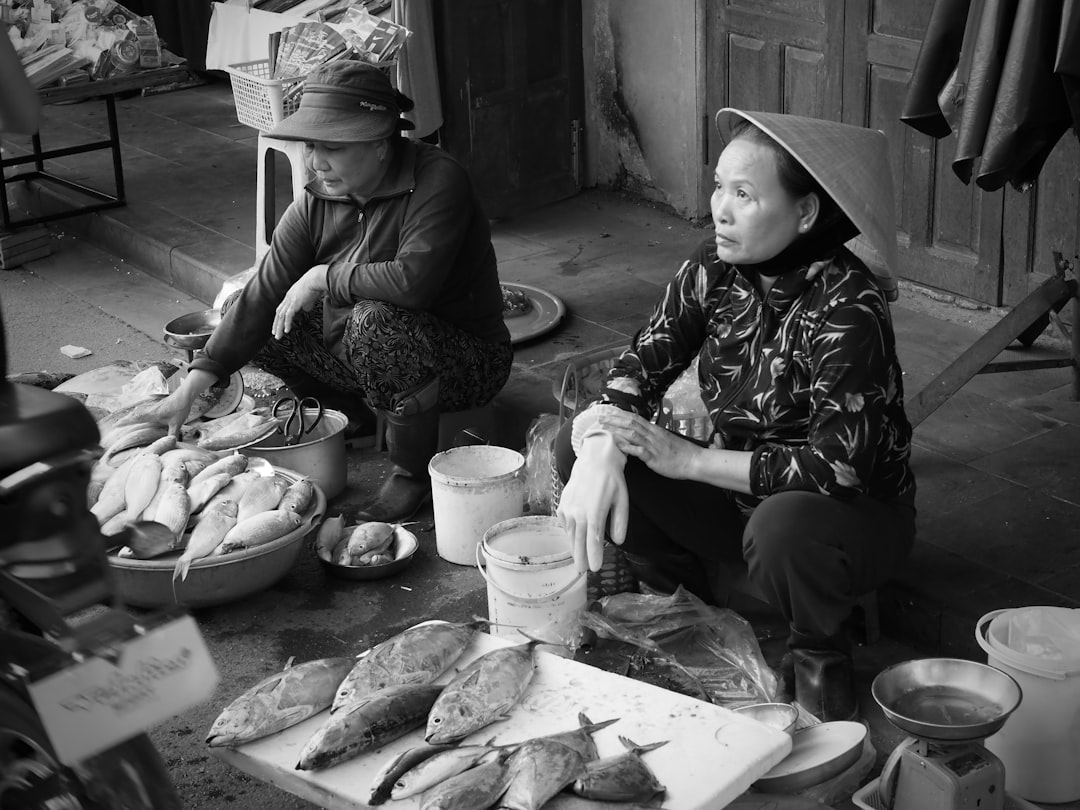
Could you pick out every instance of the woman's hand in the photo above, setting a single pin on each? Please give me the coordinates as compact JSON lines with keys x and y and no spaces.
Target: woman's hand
{"x":595,"y":492}
{"x":308,"y":290}
{"x":173,"y":410}
{"x":665,"y":453}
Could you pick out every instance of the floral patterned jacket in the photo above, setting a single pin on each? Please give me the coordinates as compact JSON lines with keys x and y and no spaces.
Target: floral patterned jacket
{"x":806,"y":378}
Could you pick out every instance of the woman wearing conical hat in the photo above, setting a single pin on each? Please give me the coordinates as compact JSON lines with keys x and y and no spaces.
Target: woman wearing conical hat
{"x":806,"y":476}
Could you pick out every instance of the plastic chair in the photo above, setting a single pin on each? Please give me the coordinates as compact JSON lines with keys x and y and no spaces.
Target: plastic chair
{"x":265,"y":190}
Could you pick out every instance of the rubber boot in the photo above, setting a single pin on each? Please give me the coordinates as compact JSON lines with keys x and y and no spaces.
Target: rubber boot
{"x":412,"y":432}
{"x":664,"y":573}
{"x":825,"y":677}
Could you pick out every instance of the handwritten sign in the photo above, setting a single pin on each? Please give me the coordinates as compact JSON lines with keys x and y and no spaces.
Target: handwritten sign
{"x":100,"y":702}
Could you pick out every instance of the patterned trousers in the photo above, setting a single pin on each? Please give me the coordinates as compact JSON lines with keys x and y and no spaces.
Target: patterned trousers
{"x":389,"y":350}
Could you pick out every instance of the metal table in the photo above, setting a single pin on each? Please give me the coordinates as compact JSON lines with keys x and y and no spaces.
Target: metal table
{"x":105,"y":90}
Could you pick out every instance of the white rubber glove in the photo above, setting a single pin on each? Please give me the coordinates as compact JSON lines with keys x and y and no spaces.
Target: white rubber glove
{"x":595,"y":494}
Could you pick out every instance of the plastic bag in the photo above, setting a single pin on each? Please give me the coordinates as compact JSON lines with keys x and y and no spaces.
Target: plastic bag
{"x":715,"y":645}
{"x":232,"y":284}
{"x":539,"y":484}
{"x":1044,"y":632}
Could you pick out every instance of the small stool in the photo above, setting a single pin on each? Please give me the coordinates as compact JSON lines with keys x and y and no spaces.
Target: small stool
{"x":480,"y":420}
{"x":265,"y":186}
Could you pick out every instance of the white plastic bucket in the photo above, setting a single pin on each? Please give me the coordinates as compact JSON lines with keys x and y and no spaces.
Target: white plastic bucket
{"x":472,"y":489}
{"x":532,"y":580}
{"x":1040,"y":742}
{"x":320,"y":456}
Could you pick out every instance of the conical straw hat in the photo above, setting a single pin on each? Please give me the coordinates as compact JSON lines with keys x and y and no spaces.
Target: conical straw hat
{"x":852,"y":165}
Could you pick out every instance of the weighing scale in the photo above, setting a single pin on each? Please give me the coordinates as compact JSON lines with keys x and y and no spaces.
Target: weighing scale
{"x":949,"y":706}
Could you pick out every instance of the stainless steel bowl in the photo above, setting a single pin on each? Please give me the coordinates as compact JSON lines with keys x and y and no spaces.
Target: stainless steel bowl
{"x":946,"y":698}
{"x":782,"y":716}
{"x":191,"y":331}
{"x":407,"y":546}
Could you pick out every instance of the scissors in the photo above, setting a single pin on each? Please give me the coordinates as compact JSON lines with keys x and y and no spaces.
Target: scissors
{"x":295,"y":413}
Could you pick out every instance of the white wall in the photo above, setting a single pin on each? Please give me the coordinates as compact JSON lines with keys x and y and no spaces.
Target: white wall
{"x":644,"y":96}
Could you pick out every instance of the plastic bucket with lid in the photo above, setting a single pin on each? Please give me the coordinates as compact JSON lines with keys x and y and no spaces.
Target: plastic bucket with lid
{"x":472,"y":489}
{"x":532,"y":581}
{"x":320,"y":455}
{"x":1040,"y":743}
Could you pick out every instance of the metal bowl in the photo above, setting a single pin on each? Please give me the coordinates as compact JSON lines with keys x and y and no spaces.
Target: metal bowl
{"x":946,"y":698}
{"x":407,"y":545}
{"x":191,"y":331}
{"x":780,"y":716}
{"x":216,"y":580}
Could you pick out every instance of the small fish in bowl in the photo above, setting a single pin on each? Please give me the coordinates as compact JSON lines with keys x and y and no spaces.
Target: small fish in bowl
{"x":369,"y":550}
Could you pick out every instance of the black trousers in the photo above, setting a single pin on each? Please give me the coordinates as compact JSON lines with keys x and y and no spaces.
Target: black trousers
{"x":811,"y":555}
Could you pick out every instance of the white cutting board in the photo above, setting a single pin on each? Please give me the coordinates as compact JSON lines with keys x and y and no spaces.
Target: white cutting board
{"x":713,"y":753}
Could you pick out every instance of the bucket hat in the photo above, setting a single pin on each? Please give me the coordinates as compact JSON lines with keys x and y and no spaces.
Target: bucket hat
{"x":345,"y":101}
{"x":852,"y":165}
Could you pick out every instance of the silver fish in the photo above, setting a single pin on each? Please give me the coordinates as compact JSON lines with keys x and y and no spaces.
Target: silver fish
{"x":298,"y":496}
{"x":580,"y":738}
{"x":383,"y":781}
{"x":438,"y":768}
{"x":623,"y":777}
{"x":417,"y":655}
{"x":539,"y":769}
{"x":233,"y":465}
{"x":279,"y":701}
{"x":476,"y":789}
{"x":482,"y":693}
{"x":568,"y":801}
{"x":368,"y":724}
{"x":207,"y":536}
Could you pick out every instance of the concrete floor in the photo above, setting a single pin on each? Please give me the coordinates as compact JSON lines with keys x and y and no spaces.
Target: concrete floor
{"x":998,"y":482}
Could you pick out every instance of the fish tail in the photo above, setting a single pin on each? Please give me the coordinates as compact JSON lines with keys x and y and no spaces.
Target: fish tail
{"x":630,"y":745}
{"x":181,"y":569}
{"x":591,"y":727}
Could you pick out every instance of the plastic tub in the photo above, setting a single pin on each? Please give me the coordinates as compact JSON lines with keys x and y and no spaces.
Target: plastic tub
{"x":532,"y":581}
{"x":472,"y":489}
{"x":320,"y":456}
{"x":1040,"y":743}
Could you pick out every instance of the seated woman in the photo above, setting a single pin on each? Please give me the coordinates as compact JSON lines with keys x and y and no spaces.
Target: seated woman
{"x":806,"y":477}
{"x":380,"y":286}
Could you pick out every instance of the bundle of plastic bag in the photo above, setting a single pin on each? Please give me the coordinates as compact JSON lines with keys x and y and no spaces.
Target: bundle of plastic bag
{"x":539,"y":483}
{"x":716,"y":646}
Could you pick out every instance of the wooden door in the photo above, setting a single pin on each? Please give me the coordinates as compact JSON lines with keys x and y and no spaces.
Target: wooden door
{"x":1041,"y":220}
{"x":948,"y":233}
{"x":511,"y":72}
{"x":773,"y":56}
{"x":850,"y":60}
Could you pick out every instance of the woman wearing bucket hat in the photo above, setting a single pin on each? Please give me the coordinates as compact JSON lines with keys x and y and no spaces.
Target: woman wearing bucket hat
{"x":806,"y":476}
{"x":380,"y":286}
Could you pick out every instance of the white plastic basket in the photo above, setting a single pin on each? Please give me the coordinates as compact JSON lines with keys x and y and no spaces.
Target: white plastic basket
{"x":262,"y":102}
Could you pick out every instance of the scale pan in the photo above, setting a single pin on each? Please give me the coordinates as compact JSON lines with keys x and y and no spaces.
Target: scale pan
{"x":948,"y":699}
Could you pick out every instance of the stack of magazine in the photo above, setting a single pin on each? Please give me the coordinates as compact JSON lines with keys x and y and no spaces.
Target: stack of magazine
{"x":298,"y":49}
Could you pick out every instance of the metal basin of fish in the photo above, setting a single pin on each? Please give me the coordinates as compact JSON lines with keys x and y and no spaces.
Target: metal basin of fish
{"x":215,"y":580}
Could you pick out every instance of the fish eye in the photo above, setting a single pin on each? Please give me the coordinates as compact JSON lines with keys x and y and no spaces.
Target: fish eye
{"x":436,"y":720}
